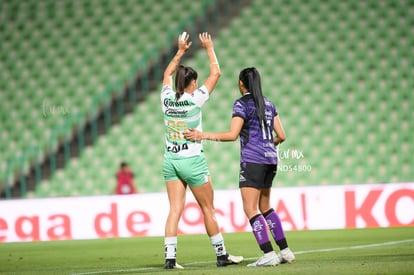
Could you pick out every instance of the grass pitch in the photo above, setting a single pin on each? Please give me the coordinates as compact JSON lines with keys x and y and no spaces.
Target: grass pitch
{"x":356,"y":251}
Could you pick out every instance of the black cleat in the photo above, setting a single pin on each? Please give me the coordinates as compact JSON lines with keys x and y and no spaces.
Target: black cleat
{"x":172,"y":264}
{"x":228,"y":259}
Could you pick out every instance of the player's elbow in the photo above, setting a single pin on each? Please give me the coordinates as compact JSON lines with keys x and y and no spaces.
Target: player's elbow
{"x":216,"y":74}
{"x":233,"y":136}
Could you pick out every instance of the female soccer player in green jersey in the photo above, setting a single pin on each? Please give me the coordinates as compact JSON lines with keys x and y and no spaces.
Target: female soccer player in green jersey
{"x":184,"y":163}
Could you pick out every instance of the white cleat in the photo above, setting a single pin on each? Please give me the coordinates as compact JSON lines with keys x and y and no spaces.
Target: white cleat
{"x":177,"y":266}
{"x":236,"y":259}
{"x":286,"y":256}
{"x":268,"y":259}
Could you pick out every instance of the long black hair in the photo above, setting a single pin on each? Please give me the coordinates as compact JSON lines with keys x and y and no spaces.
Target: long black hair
{"x":251,"y":80}
{"x":183,"y":77}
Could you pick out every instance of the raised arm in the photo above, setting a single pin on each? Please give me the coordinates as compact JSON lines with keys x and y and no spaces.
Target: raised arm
{"x":231,"y":135}
{"x":207,"y":43}
{"x":183,"y":46}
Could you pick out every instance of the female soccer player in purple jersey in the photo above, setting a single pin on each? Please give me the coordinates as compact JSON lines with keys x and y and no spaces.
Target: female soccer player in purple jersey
{"x":254,"y":120}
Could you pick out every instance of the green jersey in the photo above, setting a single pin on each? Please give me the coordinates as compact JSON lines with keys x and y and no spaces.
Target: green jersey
{"x":179,"y":116}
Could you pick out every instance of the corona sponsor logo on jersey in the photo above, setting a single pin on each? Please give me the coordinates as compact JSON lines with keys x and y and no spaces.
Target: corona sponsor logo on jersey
{"x":172,"y":103}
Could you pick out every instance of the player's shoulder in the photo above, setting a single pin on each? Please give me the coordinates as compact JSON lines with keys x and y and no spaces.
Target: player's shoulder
{"x":203,"y":89}
{"x":268,"y":101}
{"x":201,"y":92}
{"x":167,"y":93}
{"x":244,"y":99}
{"x":240,"y":107}
{"x":199,"y":96}
{"x":239,"y":103}
{"x":167,"y":89}
{"x":270,"y":104}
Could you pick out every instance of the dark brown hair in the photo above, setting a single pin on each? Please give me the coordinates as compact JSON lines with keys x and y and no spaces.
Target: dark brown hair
{"x":183,"y":77}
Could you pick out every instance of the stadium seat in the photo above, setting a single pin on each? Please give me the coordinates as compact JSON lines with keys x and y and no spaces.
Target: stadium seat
{"x":339,"y":73}
{"x":67,"y":55}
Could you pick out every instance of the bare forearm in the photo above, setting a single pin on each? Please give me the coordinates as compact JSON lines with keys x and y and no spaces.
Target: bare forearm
{"x":223,"y":136}
{"x":214,"y":64}
{"x":172,"y":66}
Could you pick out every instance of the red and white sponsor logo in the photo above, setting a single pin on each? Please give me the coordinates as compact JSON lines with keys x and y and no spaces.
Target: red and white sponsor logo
{"x":300,"y":208}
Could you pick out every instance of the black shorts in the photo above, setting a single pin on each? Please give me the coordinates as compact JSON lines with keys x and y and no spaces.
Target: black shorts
{"x":257,"y":175}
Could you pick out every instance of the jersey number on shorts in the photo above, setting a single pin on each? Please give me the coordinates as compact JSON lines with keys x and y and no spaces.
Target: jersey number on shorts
{"x":176,"y":129}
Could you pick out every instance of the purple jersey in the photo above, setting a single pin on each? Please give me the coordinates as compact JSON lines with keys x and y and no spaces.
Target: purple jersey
{"x":256,"y":142}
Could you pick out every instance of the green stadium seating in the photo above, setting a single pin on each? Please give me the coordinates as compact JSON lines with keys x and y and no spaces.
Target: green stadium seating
{"x":340,"y":73}
{"x":64,"y":53}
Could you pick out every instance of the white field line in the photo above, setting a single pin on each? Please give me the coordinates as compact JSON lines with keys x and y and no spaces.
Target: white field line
{"x":296,"y":253}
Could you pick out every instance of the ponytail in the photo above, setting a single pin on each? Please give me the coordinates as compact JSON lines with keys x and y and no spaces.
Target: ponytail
{"x":183,"y":77}
{"x":251,"y":80}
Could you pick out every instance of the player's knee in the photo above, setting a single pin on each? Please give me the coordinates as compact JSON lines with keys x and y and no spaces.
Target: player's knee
{"x":250,"y":211}
{"x":176,"y":210}
{"x":207,"y":209}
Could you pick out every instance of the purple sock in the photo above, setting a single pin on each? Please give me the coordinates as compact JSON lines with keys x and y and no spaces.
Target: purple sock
{"x":259,"y":227}
{"x":275,"y":225}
